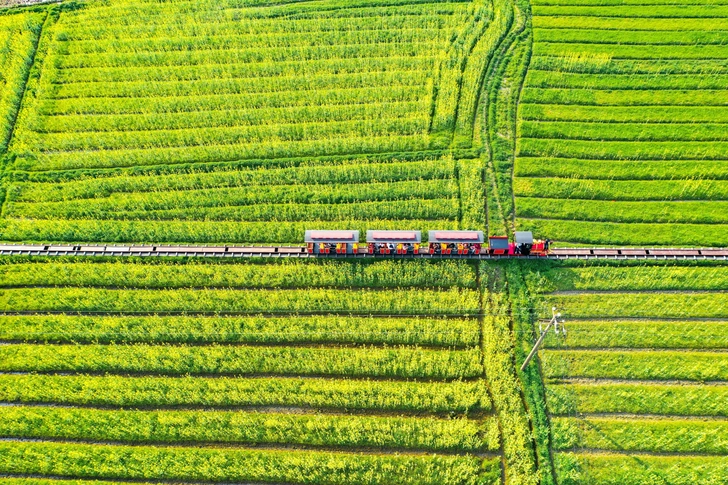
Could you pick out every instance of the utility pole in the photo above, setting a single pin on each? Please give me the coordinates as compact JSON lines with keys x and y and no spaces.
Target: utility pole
{"x":554,"y":322}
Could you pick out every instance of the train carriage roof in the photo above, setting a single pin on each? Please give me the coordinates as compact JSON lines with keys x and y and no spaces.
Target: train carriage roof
{"x":394,"y":236}
{"x":456,"y":236}
{"x":524,"y":237}
{"x":316,"y":236}
{"x":498,"y":242}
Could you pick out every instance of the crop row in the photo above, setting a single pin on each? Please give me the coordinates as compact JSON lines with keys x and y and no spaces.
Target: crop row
{"x":625,"y":97}
{"x":667,"y":399}
{"x":362,"y":36}
{"x":651,"y":305}
{"x":218,"y":102}
{"x":644,"y":334}
{"x":346,"y":174}
{"x":281,"y":274}
{"x":202,"y":15}
{"x":87,"y":124}
{"x":339,"y":139}
{"x":629,"y":66}
{"x":561,"y":80}
{"x":635,"y":51}
{"x":460,"y":434}
{"x":231,"y":70}
{"x":317,"y":198}
{"x":193,"y":232}
{"x":449,"y":332}
{"x":429,"y":47}
{"x":697,"y":212}
{"x":401,"y":301}
{"x":427,"y":209}
{"x":576,"y":130}
{"x":625,"y":23}
{"x":17,"y":45}
{"x":244,"y":137}
{"x":234,"y":465}
{"x":352,"y":394}
{"x":635,"y":434}
{"x":595,"y":3}
{"x":620,"y":150}
{"x":140,"y":90}
{"x":633,"y":11}
{"x":633,"y":364}
{"x":666,"y":170}
{"x":623,"y":190}
{"x":643,"y":277}
{"x":403,"y":362}
{"x":625,"y":469}
{"x":392,"y":21}
{"x":622,"y":114}
{"x":595,"y":36}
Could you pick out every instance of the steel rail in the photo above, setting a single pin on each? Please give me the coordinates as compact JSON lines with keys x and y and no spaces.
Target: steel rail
{"x":300,"y":252}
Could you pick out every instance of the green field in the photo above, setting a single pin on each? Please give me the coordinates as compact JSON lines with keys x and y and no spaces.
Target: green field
{"x":378,"y":399}
{"x":621,"y":128}
{"x":590,"y":122}
{"x":246,"y":120}
{"x":637,"y":390}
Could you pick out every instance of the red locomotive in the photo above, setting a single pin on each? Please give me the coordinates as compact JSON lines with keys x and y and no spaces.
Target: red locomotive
{"x":441,"y":243}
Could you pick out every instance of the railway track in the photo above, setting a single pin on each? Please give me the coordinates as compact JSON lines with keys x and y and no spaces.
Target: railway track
{"x":300,"y":252}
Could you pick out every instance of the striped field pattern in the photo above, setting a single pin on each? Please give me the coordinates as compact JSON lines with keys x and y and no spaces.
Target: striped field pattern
{"x":637,"y":390}
{"x":622,"y":135}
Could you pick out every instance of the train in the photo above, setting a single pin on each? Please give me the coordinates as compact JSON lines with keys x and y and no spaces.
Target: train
{"x":439,"y":243}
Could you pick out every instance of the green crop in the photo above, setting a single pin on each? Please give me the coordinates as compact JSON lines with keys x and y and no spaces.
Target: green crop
{"x":281,"y":274}
{"x":619,"y":103}
{"x":655,"y":365}
{"x":121,"y":98}
{"x":624,"y":469}
{"x":234,"y":465}
{"x":170,"y":360}
{"x":619,"y":114}
{"x":368,"y":301}
{"x":632,"y":434}
{"x":651,"y":305}
{"x":145,"y":187}
{"x":689,"y":212}
{"x":356,"y":394}
{"x":193,"y":232}
{"x":254,"y":329}
{"x":643,"y":334}
{"x":626,"y":234}
{"x":680,"y":400}
{"x":639,"y":277}
{"x":568,"y":168}
{"x":435,"y":434}
{"x":636,"y":190}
